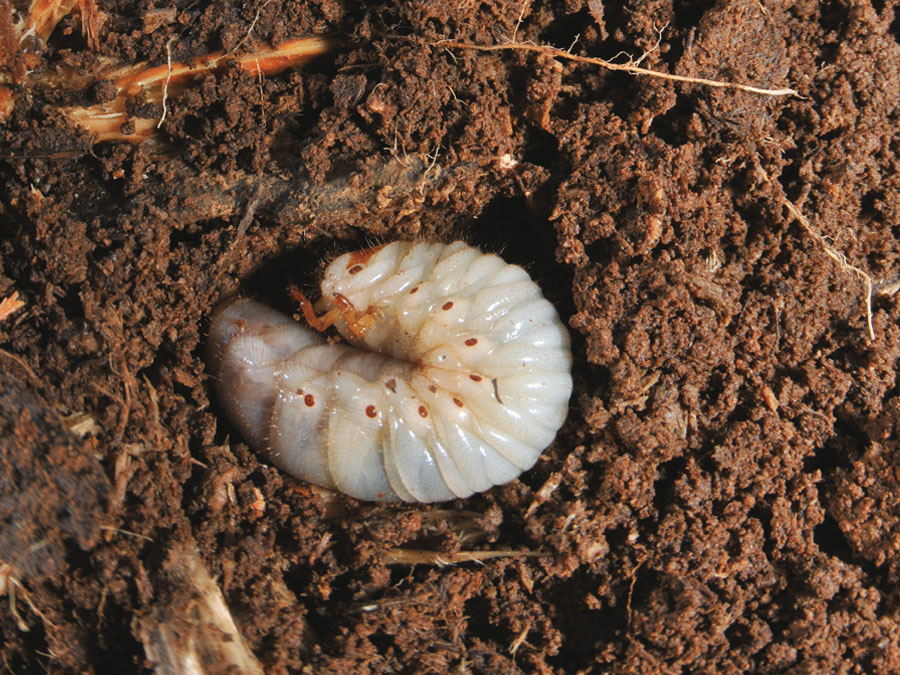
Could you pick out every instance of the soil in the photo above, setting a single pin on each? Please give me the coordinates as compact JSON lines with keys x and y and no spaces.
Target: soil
{"x":725,"y":494}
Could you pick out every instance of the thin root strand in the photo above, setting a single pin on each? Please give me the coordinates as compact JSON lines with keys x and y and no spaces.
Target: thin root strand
{"x":839,"y":258}
{"x":632,"y":67}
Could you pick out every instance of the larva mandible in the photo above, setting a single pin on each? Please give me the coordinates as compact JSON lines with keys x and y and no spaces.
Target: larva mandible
{"x":455,"y":376}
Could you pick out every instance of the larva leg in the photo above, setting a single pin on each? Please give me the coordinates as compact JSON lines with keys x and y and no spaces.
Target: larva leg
{"x":358,"y":323}
{"x":320,"y":323}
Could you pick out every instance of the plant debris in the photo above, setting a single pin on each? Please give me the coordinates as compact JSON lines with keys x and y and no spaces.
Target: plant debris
{"x":724,"y":494}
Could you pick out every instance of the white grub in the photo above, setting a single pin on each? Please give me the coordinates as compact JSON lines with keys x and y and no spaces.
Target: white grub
{"x":455,"y":375}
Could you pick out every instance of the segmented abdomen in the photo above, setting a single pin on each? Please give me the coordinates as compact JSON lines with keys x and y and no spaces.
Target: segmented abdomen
{"x":459,"y":380}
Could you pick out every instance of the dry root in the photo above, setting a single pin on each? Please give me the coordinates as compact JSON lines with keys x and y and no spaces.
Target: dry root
{"x":39,"y":23}
{"x":839,"y":258}
{"x":10,"y":585}
{"x":412,"y":556}
{"x":160,"y":84}
{"x":633,"y":66}
{"x":43,"y":15}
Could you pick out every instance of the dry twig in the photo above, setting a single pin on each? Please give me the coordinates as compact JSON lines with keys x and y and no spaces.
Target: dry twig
{"x":160,"y":84}
{"x":10,"y":304}
{"x":193,"y":630}
{"x":412,"y":556}
{"x":520,"y":640}
{"x":44,"y":15}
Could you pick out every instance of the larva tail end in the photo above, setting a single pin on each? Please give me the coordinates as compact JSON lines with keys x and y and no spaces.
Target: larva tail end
{"x":228,"y":320}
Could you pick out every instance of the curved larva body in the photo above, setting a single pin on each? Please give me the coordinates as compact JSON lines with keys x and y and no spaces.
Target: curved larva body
{"x":458,"y":381}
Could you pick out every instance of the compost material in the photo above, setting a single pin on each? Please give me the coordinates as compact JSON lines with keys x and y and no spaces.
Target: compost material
{"x":725,"y":494}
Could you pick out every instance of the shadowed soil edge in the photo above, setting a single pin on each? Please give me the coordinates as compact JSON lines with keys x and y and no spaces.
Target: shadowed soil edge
{"x":725,"y":494}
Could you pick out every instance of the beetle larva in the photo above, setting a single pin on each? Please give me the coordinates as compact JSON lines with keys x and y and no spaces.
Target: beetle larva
{"x":455,"y":376}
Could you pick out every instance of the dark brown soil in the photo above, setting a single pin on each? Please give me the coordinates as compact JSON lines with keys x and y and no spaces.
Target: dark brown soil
{"x":725,"y":495}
